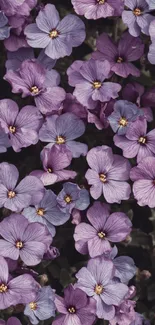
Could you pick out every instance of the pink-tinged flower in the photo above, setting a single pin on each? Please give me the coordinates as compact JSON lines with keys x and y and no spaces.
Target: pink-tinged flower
{"x":15,"y":197}
{"x":95,"y":9}
{"x":54,"y":161}
{"x":19,"y":290}
{"x":96,"y":280}
{"x":121,"y":55}
{"x":71,"y":105}
{"x":137,"y":142}
{"x":100,"y":115}
{"x":32,"y":79}
{"x":22,"y":7}
{"x":88,"y":78}
{"x":108,"y":175}
{"x":75,"y":307}
{"x":143,"y":177}
{"x":55,"y":36}
{"x":103,"y":229}
{"x":21,"y":126}
{"x":10,"y":321}
{"x":29,"y":241}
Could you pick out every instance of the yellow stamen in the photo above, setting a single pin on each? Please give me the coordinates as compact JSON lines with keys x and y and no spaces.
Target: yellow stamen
{"x":60,"y":139}
{"x":53,"y":33}
{"x":101,"y":234}
{"x":34,"y":90}
{"x":33,"y":305}
{"x":11,"y":194}
{"x":102,"y":178}
{"x":3,"y":288}
{"x":19,"y":244}
{"x":71,"y":310}
{"x":97,"y":84}
{"x":119,"y":60}
{"x":137,"y":12}
{"x":68,"y":199}
{"x":101,"y":2}
{"x":98,"y":289}
{"x":123,"y":122}
{"x":12,"y":129}
{"x":40,"y":212}
{"x":49,"y":170}
{"x":142,"y":140}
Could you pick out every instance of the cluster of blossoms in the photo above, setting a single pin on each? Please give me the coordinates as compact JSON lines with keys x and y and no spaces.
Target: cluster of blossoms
{"x":54,"y":120}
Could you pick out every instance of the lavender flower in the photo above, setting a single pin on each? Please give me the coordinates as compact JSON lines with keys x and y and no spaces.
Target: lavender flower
{"x":143,"y":176}
{"x":71,"y":105}
{"x":55,"y":36}
{"x":4,"y":141}
{"x":72,"y":196}
{"x":47,"y":212}
{"x":11,"y":321}
{"x":93,"y":9}
{"x":104,"y":228}
{"x":88,"y":80}
{"x":29,"y":191}
{"x":42,"y":307}
{"x":108,"y":175}
{"x":151,"y":4}
{"x":137,"y":17}
{"x":137,"y":142}
{"x":120,"y":55}
{"x":54,"y":161}
{"x":32,"y":79}
{"x":140,"y":320}
{"x":123,"y":115}
{"x":96,"y":280}
{"x":21,"y":289}
{"x":4,"y":30}
{"x":75,"y":307}
{"x":23,"y":7}
{"x":62,"y":130}
{"x":29,"y":241}
{"x":22,"y":127}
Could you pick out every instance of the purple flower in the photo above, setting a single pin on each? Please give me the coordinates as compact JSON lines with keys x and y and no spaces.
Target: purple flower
{"x":140,"y":320}
{"x":54,"y":161}
{"x":108,"y":175}
{"x":22,"y":8}
{"x":95,"y":9}
{"x":72,"y":196}
{"x":71,"y":105}
{"x":4,"y":141}
{"x":137,"y":142}
{"x":47,"y":212}
{"x":88,"y":80}
{"x":104,"y":228}
{"x":137,"y":17}
{"x":29,"y":191}
{"x":32,"y":79}
{"x":21,"y":289}
{"x":123,"y":115}
{"x":75,"y":308}
{"x":151,"y":53}
{"x":11,"y":321}
{"x":29,"y":241}
{"x":55,"y":36}
{"x":120,"y":55}
{"x":62,"y":130}
{"x":151,"y":4}
{"x":52,"y":253}
{"x":96,"y":280}
{"x":42,"y":307}
{"x":4,"y":30}
{"x":99,"y":116}
{"x":143,"y":176}
{"x":134,"y":92}
{"x":22,"y":127}
{"x":125,"y":313}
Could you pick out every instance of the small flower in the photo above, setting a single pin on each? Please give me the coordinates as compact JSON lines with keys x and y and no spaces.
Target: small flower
{"x":88,"y":79}
{"x":4,"y":30}
{"x":29,"y":241}
{"x":47,"y":212}
{"x":120,"y":56}
{"x":123,"y":115}
{"x":72,"y":196}
{"x":54,"y":161}
{"x":75,"y":307}
{"x":55,"y":36}
{"x":29,"y":191}
{"x":19,"y":290}
{"x":96,"y":280}
{"x":140,"y":320}
{"x":137,"y":142}
{"x":22,"y":7}
{"x":32,"y":79}
{"x":108,"y":175}
{"x":143,"y":177}
{"x":11,"y":321}
{"x":42,"y":307}
{"x":62,"y":130}
{"x":104,"y":228}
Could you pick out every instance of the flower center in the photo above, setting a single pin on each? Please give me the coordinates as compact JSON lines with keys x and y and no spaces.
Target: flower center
{"x":49,"y":170}
{"x":33,"y":305}
{"x":68,"y":199}
{"x":137,"y":12}
{"x":100,"y":2}
{"x":72,"y":310}
{"x":142,"y":140}
{"x":123,"y":121}
{"x":3,"y":288}
{"x":40,"y":212}
{"x":12,"y":129}
{"x":34,"y":90}
{"x":19,"y":244}
{"x":98,"y":289}
{"x":11,"y":194}
{"x":102,"y":178}
{"x":97,"y":84}
{"x":60,"y":139}
{"x":101,"y":234}
{"x":119,"y":59}
{"x":53,"y":33}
